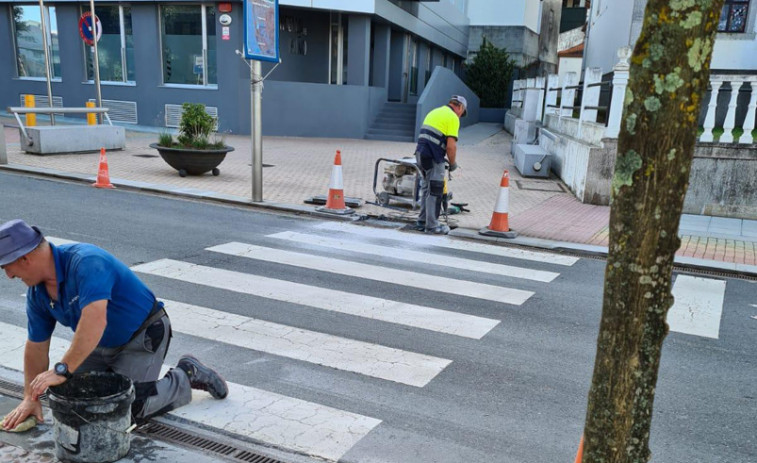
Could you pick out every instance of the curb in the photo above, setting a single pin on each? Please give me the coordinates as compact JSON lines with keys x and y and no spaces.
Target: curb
{"x":732,"y":268}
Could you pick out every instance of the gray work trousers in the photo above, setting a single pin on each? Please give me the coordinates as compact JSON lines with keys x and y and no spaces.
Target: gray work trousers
{"x":141,"y":360}
{"x":431,"y":191}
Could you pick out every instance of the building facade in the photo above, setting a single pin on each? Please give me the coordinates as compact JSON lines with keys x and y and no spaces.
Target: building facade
{"x":342,"y":61}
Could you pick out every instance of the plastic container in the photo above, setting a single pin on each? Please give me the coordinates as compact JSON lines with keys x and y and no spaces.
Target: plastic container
{"x":92,"y":414}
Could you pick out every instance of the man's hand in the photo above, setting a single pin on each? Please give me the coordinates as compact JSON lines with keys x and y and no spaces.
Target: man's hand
{"x":44,"y":380}
{"x":26,"y":408}
{"x":453,"y":167}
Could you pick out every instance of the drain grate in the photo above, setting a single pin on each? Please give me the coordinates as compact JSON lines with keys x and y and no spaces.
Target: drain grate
{"x":145,"y":155}
{"x":540,"y":185}
{"x":167,"y":433}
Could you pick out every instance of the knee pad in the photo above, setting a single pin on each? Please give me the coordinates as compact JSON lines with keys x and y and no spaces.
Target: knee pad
{"x":436,"y":187}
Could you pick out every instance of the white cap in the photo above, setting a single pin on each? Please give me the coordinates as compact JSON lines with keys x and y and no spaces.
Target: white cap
{"x":461,"y":99}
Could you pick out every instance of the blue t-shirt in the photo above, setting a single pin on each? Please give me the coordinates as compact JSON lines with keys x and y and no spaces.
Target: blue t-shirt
{"x":86,"y":274}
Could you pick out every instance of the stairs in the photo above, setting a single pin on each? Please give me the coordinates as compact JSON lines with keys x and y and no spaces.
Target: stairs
{"x":395,"y":122}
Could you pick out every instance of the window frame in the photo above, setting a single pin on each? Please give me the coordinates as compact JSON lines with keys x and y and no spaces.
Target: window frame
{"x":161,"y":32}
{"x":124,"y":62}
{"x":14,"y":36}
{"x":728,"y":5}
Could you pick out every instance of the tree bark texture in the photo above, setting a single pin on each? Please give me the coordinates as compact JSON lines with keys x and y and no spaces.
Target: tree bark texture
{"x":669,"y":75}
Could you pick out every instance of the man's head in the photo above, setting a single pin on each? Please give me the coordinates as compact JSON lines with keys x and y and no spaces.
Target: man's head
{"x":17,"y":242}
{"x":459,"y":105}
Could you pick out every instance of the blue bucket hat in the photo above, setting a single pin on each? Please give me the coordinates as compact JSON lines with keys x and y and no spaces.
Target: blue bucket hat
{"x":17,"y":239}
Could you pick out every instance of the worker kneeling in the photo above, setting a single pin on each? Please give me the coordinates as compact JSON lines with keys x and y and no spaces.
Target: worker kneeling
{"x":437,"y":140}
{"x":118,"y":325}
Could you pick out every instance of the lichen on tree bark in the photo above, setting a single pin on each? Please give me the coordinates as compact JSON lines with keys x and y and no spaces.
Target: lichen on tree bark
{"x":669,"y":74}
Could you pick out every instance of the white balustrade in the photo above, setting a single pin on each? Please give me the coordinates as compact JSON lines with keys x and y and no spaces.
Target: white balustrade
{"x":540,"y":82}
{"x":709,"y":120}
{"x":590,"y":100}
{"x":730,"y":117}
{"x":746,"y":137}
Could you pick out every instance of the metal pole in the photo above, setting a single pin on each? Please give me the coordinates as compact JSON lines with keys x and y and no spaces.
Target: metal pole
{"x":43,"y":24}
{"x":256,"y":88}
{"x":97,"y":59}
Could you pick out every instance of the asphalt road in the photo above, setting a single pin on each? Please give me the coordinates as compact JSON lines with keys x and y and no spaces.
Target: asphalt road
{"x":518,"y":394}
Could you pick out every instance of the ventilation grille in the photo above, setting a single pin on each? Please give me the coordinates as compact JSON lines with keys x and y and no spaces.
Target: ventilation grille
{"x":41,"y":101}
{"x":173,"y":114}
{"x":120,"y":111}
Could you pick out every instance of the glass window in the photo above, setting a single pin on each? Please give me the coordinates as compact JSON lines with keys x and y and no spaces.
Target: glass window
{"x":30,"y":53}
{"x":339,"y":47}
{"x":188,"y":37}
{"x":413,"y":52}
{"x":734,"y":15}
{"x":115,"y":49}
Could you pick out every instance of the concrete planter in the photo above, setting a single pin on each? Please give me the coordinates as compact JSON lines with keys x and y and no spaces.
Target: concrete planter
{"x":193,"y":161}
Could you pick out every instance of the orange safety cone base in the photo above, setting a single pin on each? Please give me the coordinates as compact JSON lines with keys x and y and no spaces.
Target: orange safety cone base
{"x":486,"y":231}
{"x":345,"y":211}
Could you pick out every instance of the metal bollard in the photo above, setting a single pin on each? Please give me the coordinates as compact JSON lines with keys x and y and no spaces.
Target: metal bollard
{"x":31,"y":118}
{"x":91,"y":117}
{"x":3,"y":149}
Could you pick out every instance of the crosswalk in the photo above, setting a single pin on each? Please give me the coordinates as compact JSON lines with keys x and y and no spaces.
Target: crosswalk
{"x":331,"y":252}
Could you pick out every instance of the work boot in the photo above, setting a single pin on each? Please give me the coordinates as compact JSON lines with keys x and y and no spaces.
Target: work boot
{"x":419,"y":226}
{"x":439,"y":230}
{"x":202,"y":377}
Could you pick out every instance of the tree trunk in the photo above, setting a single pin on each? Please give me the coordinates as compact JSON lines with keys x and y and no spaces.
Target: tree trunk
{"x":669,"y":75}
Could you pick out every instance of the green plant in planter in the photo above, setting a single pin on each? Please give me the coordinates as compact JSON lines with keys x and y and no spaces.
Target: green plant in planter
{"x":195,"y":130}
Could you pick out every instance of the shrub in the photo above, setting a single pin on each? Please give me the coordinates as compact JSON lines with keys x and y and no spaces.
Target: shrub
{"x":489,"y":75}
{"x":195,"y":128}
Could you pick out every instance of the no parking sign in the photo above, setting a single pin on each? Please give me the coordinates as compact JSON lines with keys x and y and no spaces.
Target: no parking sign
{"x":85,"y":28}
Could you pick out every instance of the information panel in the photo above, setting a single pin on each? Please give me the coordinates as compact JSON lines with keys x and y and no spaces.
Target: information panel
{"x":261,"y":30}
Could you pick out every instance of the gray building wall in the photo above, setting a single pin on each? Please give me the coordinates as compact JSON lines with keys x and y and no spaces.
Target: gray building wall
{"x":521,"y":42}
{"x":297,"y":98}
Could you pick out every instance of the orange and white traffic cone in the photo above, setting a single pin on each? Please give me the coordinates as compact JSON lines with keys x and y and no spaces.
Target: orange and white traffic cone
{"x":335,"y":200}
{"x":103,"y":178}
{"x":580,"y":453}
{"x":499,"y":226}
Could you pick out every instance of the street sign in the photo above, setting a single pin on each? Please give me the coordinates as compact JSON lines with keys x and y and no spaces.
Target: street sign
{"x":85,"y":28}
{"x":261,"y":30}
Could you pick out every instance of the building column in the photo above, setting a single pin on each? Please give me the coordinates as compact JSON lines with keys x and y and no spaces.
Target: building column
{"x":382,"y":35}
{"x":358,"y":50}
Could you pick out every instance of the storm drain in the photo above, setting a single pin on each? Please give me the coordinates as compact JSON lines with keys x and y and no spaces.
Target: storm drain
{"x":145,"y":155}
{"x":167,"y":433}
{"x":540,"y":185}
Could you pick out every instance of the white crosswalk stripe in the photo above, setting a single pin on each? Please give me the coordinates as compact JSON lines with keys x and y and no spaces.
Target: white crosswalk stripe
{"x":448,"y":242}
{"x":278,"y":420}
{"x":372,"y":272}
{"x":698,"y":306}
{"x":309,"y":346}
{"x":417,"y":256}
{"x":327,"y":299}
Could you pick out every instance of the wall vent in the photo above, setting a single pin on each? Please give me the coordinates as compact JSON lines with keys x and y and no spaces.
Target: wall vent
{"x":120,"y":111}
{"x":41,"y":101}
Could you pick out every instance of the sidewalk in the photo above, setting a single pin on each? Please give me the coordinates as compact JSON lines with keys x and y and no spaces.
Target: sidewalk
{"x":543,"y":211}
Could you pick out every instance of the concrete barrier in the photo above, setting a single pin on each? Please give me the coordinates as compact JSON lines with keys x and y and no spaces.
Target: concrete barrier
{"x":72,"y":139}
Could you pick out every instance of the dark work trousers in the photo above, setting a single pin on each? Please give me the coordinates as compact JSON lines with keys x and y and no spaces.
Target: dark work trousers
{"x":141,"y":360}
{"x":432,"y":189}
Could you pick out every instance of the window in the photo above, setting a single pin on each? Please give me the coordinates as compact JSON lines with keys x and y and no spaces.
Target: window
{"x":338,"y":44}
{"x":734,"y":15}
{"x":413,"y":57}
{"x":188,"y":38}
{"x":115,"y":49}
{"x":30,"y":52}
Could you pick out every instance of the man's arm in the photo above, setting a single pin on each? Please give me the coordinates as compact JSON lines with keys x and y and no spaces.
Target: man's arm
{"x":36,"y":361}
{"x":88,"y":333}
{"x":451,"y":149}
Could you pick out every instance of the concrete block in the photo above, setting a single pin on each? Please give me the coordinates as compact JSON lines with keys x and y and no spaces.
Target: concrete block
{"x":528,"y":157}
{"x":73,"y":139}
{"x":3,"y":148}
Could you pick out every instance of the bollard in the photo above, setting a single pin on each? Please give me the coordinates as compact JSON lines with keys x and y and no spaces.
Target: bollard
{"x":31,"y":118}
{"x":91,"y":117}
{"x":3,"y":149}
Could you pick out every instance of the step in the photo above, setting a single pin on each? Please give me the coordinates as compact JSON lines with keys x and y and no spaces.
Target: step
{"x":396,"y":117}
{"x":389,"y":138}
{"x":392,"y":125}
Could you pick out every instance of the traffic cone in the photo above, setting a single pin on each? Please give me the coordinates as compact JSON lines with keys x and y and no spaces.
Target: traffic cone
{"x":499,"y":226}
{"x":103,"y":179}
{"x":335,"y":199}
{"x":580,"y":454}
